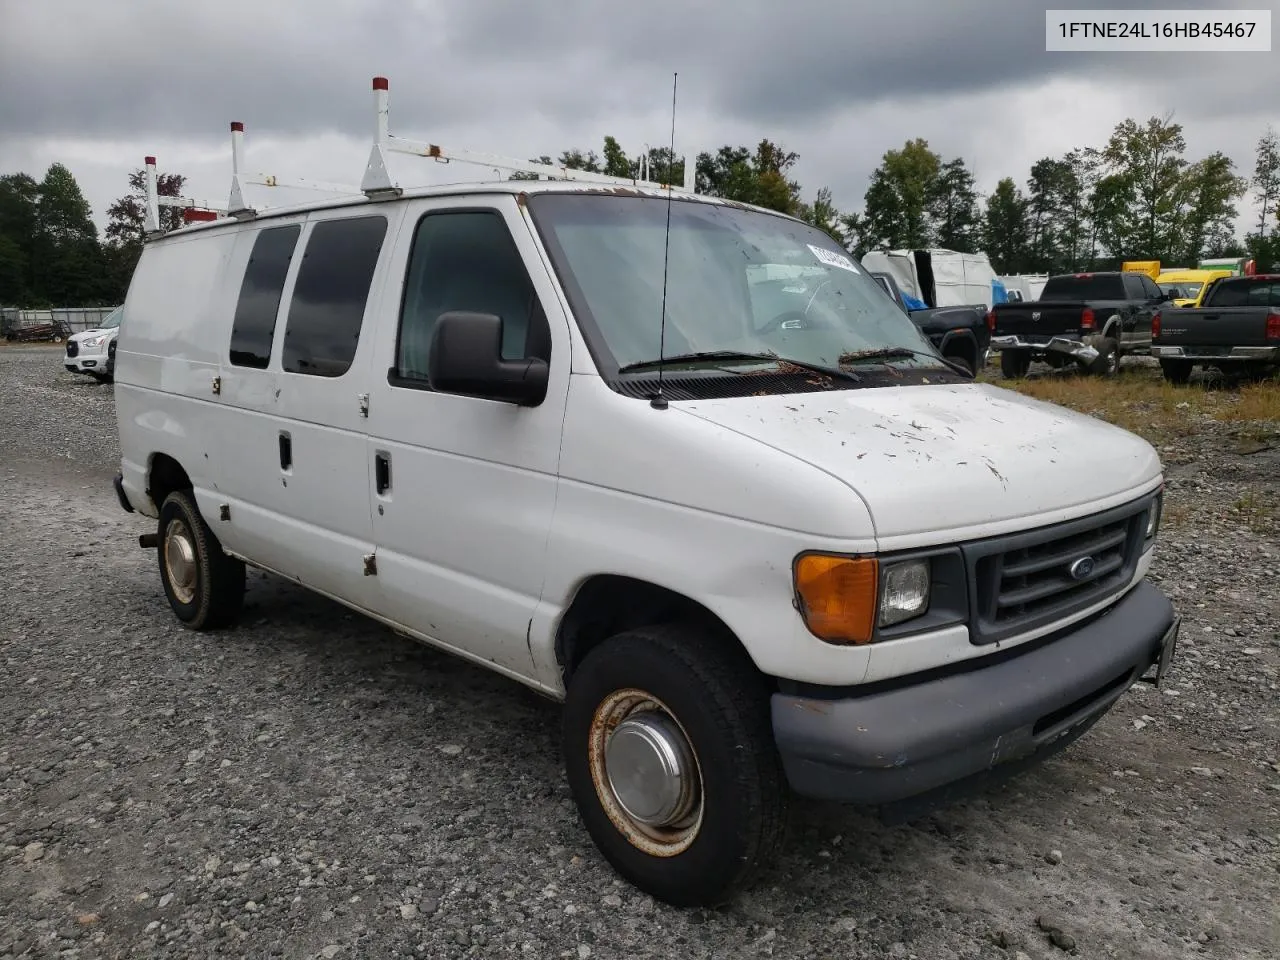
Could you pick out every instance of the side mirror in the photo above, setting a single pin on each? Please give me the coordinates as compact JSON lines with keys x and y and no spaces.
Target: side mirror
{"x":466,"y":358}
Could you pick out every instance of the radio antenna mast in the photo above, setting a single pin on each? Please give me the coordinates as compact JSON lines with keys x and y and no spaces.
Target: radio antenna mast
{"x":658,"y":401}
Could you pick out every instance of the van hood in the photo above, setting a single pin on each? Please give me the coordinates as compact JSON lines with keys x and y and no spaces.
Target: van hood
{"x":95,"y":332}
{"x":968,"y":459}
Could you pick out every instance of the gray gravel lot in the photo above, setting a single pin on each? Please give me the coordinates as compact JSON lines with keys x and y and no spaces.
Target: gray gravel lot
{"x":310,"y":785}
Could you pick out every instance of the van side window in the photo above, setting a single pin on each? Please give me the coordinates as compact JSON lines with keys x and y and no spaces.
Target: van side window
{"x":329,"y":298}
{"x":466,"y":261}
{"x":254,"y":325}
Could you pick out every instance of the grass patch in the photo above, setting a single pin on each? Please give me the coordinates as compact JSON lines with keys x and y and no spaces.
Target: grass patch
{"x":1142,"y":401}
{"x":1256,"y":511}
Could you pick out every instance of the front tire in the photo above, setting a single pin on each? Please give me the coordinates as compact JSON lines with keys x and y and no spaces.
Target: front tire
{"x":1014,"y":364}
{"x":961,"y":361}
{"x":670,"y":757}
{"x":205,"y":587}
{"x":1107,"y":363}
{"x":1177,"y":372}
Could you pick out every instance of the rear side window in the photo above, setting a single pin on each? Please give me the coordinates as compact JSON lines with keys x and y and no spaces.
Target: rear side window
{"x":1085,"y":286}
{"x":1245,"y":293}
{"x":1150,"y":290}
{"x":254,"y":325}
{"x":327,"y":309}
{"x":466,"y":261}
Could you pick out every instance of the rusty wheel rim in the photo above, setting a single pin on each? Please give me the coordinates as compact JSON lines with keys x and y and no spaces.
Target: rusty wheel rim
{"x":180,"y":560}
{"x":653,"y":794}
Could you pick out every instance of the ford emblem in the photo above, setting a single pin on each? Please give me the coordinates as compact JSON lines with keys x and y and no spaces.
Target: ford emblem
{"x":1035,"y":314}
{"x":1081,"y":568}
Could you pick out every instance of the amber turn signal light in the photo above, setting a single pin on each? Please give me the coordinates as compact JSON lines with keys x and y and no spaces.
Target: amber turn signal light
{"x":837,"y":596}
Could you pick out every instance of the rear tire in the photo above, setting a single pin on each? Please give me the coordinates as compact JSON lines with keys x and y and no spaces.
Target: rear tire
{"x":205,"y":587}
{"x":1014,"y":364}
{"x":961,"y":361}
{"x":1177,"y":372}
{"x":730,"y":817}
{"x":1107,"y":363}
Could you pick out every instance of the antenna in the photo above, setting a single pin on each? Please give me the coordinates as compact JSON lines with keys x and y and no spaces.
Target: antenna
{"x":658,"y":401}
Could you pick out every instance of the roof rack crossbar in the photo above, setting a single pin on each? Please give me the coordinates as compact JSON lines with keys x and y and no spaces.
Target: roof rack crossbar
{"x":377,"y":182}
{"x":153,"y":202}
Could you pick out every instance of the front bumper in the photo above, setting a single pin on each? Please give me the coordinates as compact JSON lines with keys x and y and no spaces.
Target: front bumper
{"x":1076,"y":349}
{"x":941,"y":738}
{"x":1210,"y":355}
{"x":88,"y":362}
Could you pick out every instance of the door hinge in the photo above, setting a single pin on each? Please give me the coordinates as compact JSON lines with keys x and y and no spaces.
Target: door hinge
{"x":370,"y":565}
{"x":364,"y":404}
{"x":217,"y":385}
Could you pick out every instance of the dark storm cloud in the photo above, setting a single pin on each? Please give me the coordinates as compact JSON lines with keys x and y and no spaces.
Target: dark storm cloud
{"x":97,"y":70}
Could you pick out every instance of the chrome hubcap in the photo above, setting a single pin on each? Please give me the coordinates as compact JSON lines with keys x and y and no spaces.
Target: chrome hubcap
{"x":180,"y":560}
{"x":645,"y":773}
{"x":648,"y":764}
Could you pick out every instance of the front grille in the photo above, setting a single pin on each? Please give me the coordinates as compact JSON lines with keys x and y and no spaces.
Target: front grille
{"x":73,"y":348}
{"x":1029,"y":580}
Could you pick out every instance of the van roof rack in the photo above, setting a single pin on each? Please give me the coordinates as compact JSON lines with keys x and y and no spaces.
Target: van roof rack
{"x":377,"y":183}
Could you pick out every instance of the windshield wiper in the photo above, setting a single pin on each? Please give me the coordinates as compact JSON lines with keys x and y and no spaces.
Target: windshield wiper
{"x":877,"y":356}
{"x":734,"y":356}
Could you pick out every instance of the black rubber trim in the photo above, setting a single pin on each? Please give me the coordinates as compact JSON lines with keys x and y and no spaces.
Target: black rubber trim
{"x":118,"y":483}
{"x":896,"y":744}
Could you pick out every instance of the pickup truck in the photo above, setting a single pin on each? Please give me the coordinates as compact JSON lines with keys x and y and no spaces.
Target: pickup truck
{"x":1236,"y":329}
{"x":961,"y":334}
{"x":1090,"y":319}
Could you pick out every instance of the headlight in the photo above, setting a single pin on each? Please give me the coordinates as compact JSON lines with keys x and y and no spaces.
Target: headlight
{"x":905,"y":592}
{"x":1153,"y":516}
{"x":92,"y":341}
{"x":844,"y":599}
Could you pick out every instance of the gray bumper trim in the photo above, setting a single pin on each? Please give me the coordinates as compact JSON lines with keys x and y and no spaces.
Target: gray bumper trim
{"x":903,"y":743}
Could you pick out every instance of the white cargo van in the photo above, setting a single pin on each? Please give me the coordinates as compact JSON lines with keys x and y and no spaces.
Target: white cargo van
{"x":771,"y":543}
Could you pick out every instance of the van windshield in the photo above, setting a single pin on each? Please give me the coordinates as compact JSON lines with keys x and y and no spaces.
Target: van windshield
{"x":112,"y":319}
{"x":738,"y":281}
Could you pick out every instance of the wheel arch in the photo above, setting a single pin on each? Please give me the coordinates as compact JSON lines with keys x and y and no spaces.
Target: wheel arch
{"x":165,"y":475}
{"x":605,"y":605}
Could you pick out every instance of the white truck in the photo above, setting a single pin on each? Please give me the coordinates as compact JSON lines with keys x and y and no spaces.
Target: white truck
{"x":580,"y":433}
{"x":93,"y":352}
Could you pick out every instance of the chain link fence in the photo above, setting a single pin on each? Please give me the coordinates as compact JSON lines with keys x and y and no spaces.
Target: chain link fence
{"x":49,"y":325}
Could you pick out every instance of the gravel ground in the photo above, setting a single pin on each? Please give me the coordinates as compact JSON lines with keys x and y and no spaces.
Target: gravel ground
{"x":310,"y":785}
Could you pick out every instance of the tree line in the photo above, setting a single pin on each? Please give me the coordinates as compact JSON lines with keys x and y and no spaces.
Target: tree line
{"x":1136,"y":197}
{"x":51,"y":254}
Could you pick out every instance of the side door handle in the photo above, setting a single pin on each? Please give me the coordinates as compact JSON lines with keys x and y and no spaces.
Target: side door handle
{"x":382,"y":472}
{"x":286,"y":451}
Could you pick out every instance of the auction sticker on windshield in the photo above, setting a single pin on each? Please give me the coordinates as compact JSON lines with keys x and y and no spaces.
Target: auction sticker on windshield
{"x":832,"y":259}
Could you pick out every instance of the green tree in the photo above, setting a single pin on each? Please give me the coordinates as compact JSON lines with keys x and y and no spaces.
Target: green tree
{"x":1264,"y":247}
{"x":1207,"y":214}
{"x":575,"y":159}
{"x":1150,"y":157}
{"x":19,"y":216}
{"x":896,"y":204}
{"x":822,"y":213}
{"x":1005,"y":235}
{"x":760,"y":177}
{"x":126,"y":227}
{"x":68,"y":266}
{"x":953,"y":208}
{"x":616,"y":163}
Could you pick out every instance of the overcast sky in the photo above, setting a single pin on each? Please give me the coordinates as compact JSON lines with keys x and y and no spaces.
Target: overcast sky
{"x":97,"y":85}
